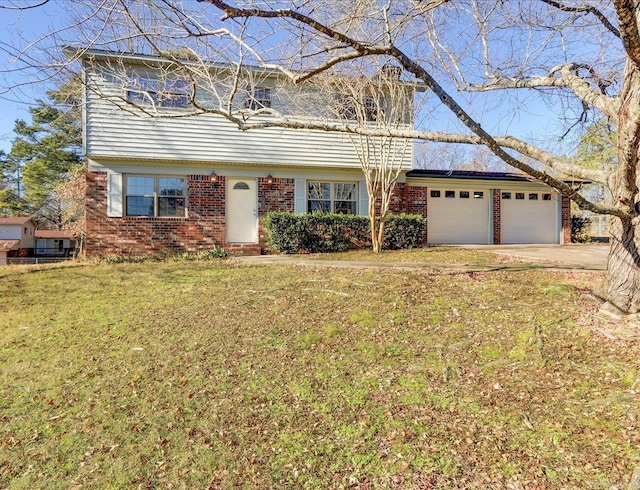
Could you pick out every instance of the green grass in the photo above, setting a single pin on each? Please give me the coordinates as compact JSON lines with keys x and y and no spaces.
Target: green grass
{"x":214,"y":375}
{"x":429,"y":255}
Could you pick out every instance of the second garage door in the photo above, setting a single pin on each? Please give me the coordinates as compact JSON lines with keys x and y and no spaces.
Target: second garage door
{"x":529,"y":217}
{"x":458,"y":216}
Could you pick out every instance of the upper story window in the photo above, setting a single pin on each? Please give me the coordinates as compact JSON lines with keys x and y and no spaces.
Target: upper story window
{"x":347,"y":108}
{"x":176,"y":93}
{"x":170,"y":92}
{"x":155,"y":196}
{"x":258,"y":98}
{"x":331,"y":197}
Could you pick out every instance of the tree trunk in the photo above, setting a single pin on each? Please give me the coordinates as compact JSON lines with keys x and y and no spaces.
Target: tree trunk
{"x":376,"y":246}
{"x":622,"y":284}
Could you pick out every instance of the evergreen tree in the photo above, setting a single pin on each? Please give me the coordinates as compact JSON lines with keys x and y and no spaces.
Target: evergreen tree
{"x":598,"y":150}
{"x":43,"y":155}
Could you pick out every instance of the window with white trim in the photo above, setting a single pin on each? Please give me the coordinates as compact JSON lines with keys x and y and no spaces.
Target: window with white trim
{"x":258,"y":98}
{"x":332,"y":197}
{"x":346,"y":107}
{"x":148,"y":90}
{"x":155,"y":196}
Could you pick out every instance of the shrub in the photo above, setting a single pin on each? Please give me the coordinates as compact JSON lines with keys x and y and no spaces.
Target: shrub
{"x":323,"y":232}
{"x":580,"y":228}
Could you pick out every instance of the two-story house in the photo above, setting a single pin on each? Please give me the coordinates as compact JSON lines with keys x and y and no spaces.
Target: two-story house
{"x":160,"y":181}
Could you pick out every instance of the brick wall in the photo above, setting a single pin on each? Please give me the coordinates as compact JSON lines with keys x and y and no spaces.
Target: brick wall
{"x":416,"y":203}
{"x":496,"y":216}
{"x":566,"y":221}
{"x":203,"y":228}
{"x":279,"y":195}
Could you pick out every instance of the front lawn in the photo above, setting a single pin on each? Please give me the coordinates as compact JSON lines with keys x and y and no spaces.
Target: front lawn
{"x":440,"y":254}
{"x":214,"y":375}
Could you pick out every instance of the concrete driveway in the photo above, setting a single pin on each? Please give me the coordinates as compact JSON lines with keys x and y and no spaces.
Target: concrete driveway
{"x":582,"y":256}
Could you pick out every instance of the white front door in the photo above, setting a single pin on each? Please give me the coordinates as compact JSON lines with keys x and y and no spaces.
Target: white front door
{"x":242,"y":211}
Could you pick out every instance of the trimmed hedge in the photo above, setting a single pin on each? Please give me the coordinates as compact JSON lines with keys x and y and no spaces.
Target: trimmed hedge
{"x":324,"y":232}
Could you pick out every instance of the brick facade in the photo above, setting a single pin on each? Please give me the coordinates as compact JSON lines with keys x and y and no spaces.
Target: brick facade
{"x":416,"y":203}
{"x":278,"y":195}
{"x":202,"y":229}
{"x":566,"y":221}
{"x":205,"y":224}
{"x":497,"y":230}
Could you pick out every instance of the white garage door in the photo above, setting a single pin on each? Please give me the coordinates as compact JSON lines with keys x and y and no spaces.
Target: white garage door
{"x":529,"y":217}
{"x":458,"y":216}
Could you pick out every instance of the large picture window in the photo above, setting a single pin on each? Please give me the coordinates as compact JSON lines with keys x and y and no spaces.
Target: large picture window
{"x":155,"y":196}
{"x":332,"y":197}
{"x":169,"y":92}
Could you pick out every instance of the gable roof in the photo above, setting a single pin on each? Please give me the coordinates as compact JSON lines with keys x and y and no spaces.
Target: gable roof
{"x":16,"y":220}
{"x":154,"y":60}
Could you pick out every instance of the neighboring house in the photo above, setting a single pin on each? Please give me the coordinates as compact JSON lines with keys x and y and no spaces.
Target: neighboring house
{"x":17,"y":238}
{"x":176,"y":183}
{"x":54,"y":243}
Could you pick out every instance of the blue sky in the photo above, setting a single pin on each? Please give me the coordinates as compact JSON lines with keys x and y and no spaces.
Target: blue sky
{"x":21,"y":27}
{"x":18,"y":28}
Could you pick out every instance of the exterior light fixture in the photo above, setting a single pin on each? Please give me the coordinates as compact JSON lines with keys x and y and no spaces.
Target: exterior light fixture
{"x":214,"y":176}
{"x":269,"y":178}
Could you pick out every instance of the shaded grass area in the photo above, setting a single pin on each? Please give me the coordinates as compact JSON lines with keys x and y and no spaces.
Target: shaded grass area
{"x":197,"y":375}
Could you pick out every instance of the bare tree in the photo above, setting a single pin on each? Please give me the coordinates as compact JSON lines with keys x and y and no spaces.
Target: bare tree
{"x":71,"y":192}
{"x":380,"y":102}
{"x":581,"y":59}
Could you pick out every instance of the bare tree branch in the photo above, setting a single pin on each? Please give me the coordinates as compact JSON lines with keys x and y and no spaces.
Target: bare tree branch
{"x":588,"y":9}
{"x":568,"y":79}
{"x":422,"y":74}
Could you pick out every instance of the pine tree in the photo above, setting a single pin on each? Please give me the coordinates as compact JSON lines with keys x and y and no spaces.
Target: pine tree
{"x":42,"y":156}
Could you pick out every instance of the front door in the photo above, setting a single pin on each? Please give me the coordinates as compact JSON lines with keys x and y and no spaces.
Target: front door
{"x":242,"y":211}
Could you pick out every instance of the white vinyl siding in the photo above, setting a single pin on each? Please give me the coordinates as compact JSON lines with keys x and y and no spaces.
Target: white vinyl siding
{"x":114,"y":133}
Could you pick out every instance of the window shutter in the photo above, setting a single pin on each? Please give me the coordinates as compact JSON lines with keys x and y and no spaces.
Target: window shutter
{"x":363,"y":204}
{"x":300,"y":204}
{"x":114,"y":195}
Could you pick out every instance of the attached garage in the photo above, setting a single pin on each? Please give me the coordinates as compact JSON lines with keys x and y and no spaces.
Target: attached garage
{"x":458,"y":216}
{"x":529,"y":217}
{"x":469,"y":207}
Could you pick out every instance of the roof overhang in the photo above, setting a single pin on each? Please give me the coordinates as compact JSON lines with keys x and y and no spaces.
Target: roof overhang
{"x":511,"y":177}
